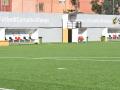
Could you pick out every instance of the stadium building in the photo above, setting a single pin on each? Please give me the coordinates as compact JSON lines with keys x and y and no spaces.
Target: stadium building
{"x":44,"y":6}
{"x":58,"y":28}
{"x":87,"y":27}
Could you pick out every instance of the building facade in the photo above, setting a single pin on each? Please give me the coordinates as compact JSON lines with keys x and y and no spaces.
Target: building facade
{"x":6,"y":5}
{"x":18,"y":27}
{"x":47,"y":6}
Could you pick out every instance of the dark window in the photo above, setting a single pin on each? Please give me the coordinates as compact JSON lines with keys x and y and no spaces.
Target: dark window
{"x":5,"y":2}
{"x":61,"y":1}
{"x":5,"y":5}
{"x":69,"y":35}
{"x":41,"y":7}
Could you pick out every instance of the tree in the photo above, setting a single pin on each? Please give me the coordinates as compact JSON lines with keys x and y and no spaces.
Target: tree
{"x":5,"y":2}
{"x":75,"y":4}
{"x":111,"y":6}
{"x":107,"y":7}
{"x":96,"y":7}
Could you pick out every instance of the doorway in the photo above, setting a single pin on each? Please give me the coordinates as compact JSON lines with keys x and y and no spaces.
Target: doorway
{"x":69,"y":35}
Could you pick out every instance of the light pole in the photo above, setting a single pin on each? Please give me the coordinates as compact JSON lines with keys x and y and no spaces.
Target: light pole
{"x":4,"y":5}
{"x":37,"y":7}
{"x":65,"y":5}
{"x":0,"y":5}
{"x":22,"y":6}
{"x":51,"y":6}
{"x":76,"y":5}
{"x":113,"y":7}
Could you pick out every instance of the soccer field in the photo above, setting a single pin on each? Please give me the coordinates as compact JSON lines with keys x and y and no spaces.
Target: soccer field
{"x":86,"y":66}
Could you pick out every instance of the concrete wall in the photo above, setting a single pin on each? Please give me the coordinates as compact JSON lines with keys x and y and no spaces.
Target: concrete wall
{"x":99,"y":21}
{"x":83,"y":32}
{"x":50,"y":26}
{"x":95,"y":25}
{"x":75,"y":35}
{"x":50,"y":34}
{"x":30,"y":20}
{"x":94,"y":34}
{"x":2,"y":34}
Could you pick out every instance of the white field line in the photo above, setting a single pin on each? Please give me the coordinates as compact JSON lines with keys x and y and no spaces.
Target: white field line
{"x":62,"y":57}
{"x":11,"y":57}
{"x":6,"y":89}
{"x":68,"y":58}
{"x":108,"y":60}
{"x":100,"y":60}
{"x":76,"y":57}
{"x":61,"y":68}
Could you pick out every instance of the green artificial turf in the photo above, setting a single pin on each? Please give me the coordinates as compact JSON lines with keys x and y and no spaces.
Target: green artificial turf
{"x":85,"y":66}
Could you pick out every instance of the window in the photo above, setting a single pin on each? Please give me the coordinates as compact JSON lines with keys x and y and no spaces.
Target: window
{"x":5,"y":2}
{"x":62,"y":1}
{"x":41,"y":7}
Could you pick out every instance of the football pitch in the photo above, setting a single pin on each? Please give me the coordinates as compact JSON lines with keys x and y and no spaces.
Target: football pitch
{"x":85,"y":66}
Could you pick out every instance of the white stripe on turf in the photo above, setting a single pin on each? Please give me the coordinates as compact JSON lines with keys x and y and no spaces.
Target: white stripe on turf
{"x":81,"y":59}
{"x":72,"y":57}
{"x":58,"y":57}
{"x":60,"y":68}
{"x":6,"y":89}
{"x":69,"y":58}
{"x":12,"y":57}
{"x":100,"y":60}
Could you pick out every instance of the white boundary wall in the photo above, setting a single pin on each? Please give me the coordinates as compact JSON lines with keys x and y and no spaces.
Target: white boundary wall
{"x":50,"y":35}
{"x":2,"y":34}
{"x":74,"y":35}
{"x":50,"y":26}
